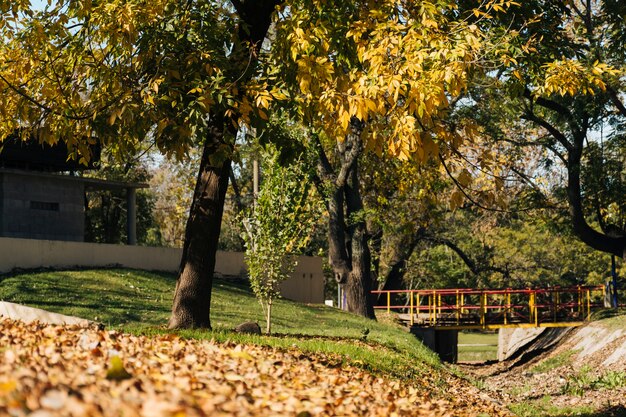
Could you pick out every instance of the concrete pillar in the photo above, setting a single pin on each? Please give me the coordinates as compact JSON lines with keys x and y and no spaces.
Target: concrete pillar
{"x":443,"y":342}
{"x":510,"y":341}
{"x":131,"y":216}
{"x":426,"y":335}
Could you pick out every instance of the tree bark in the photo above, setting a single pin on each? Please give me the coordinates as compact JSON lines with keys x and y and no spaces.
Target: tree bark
{"x":349,"y":252}
{"x":338,"y":256}
{"x":192,"y":299}
{"x":359,"y":285}
{"x":614,"y":245}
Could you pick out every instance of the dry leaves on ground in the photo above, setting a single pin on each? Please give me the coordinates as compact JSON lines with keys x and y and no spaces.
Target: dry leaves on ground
{"x":73,"y":371}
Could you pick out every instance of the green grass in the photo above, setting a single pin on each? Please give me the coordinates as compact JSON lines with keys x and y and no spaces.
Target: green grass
{"x":140,"y":302}
{"x":553,"y":362}
{"x":584,"y":380}
{"x":612,"y":318}
{"x":487,"y":352}
{"x":545,"y":408}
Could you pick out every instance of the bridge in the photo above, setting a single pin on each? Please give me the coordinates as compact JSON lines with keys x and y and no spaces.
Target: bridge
{"x":462,"y":308}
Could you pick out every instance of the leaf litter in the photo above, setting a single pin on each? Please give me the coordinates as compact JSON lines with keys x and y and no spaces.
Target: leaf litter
{"x":49,"y":371}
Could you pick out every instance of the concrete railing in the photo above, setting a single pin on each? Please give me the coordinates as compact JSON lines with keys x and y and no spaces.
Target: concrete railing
{"x":306,"y":283}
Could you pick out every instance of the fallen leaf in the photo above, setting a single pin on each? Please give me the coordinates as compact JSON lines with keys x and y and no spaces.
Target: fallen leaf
{"x":116,"y":371}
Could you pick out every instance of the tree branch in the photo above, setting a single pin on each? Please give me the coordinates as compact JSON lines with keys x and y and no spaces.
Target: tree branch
{"x":616,"y":100}
{"x":557,"y":134}
{"x":471,"y":264}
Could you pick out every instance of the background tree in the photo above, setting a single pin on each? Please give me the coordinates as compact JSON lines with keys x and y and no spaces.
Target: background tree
{"x":172,"y":183}
{"x":505,"y":251}
{"x":372,"y":79}
{"x":564,"y":95}
{"x":105,"y":210}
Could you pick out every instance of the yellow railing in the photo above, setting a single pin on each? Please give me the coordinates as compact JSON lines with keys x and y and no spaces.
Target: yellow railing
{"x":469,"y":308}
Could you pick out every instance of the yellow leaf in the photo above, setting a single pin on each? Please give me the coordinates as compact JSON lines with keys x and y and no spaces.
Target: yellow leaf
{"x":116,"y":371}
{"x":8,"y":386}
{"x":465,"y":178}
{"x":240,"y":355}
{"x":456,"y":199}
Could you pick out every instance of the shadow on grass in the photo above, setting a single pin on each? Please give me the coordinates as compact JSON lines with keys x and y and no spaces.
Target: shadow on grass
{"x":617,"y":411}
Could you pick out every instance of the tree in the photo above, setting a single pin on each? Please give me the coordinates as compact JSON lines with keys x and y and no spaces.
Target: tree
{"x":277,"y":227}
{"x":373,"y":79}
{"x":172,"y":183}
{"x":105,"y":210}
{"x":122,"y":72}
{"x":507,"y":250}
{"x":565,"y":93}
{"x":185,"y":74}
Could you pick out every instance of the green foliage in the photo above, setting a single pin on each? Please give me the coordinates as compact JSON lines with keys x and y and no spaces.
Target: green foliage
{"x":106,"y":210}
{"x":580,"y":382}
{"x":562,"y":359}
{"x":612,"y":380}
{"x":524,"y":246}
{"x":584,"y":380}
{"x":561,"y":100}
{"x":277,"y":226}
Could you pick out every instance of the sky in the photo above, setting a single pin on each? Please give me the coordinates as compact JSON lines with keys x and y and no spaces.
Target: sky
{"x":38,"y":4}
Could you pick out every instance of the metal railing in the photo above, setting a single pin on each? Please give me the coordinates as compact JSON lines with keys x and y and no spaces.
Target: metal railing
{"x":490,"y":309}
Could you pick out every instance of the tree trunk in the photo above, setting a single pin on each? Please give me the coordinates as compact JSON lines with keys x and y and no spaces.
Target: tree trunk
{"x":394,"y":279}
{"x":338,"y":257}
{"x":268,"y":318}
{"x":614,"y":245}
{"x":349,"y":252}
{"x":359,"y":285}
{"x":192,"y":299}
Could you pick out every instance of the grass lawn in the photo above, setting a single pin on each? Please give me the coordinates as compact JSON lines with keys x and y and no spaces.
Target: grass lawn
{"x":140,"y":302}
{"x":478,"y":346}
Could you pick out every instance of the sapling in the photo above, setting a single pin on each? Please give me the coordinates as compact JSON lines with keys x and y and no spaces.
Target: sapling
{"x":277,"y":227}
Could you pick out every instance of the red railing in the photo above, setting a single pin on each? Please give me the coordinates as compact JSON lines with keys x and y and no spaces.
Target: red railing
{"x":463,"y":307}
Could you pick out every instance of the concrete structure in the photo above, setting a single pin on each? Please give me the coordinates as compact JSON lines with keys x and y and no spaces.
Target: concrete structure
{"x":39,"y":205}
{"x":510,"y":341}
{"x":513,"y":343}
{"x":30,"y":314}
{"x":306,"y":283}
{"x":443,"y":342}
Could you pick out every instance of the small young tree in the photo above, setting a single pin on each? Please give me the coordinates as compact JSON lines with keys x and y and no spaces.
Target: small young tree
{"x":277,"y":227}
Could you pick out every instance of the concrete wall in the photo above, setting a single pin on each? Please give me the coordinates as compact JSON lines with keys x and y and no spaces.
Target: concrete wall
{"x":41,"y":207}
{"x":305,"y":285}
{"x":520,"y":344}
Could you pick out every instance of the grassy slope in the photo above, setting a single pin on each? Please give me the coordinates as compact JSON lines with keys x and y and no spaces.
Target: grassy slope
{"x":140,"y":302}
